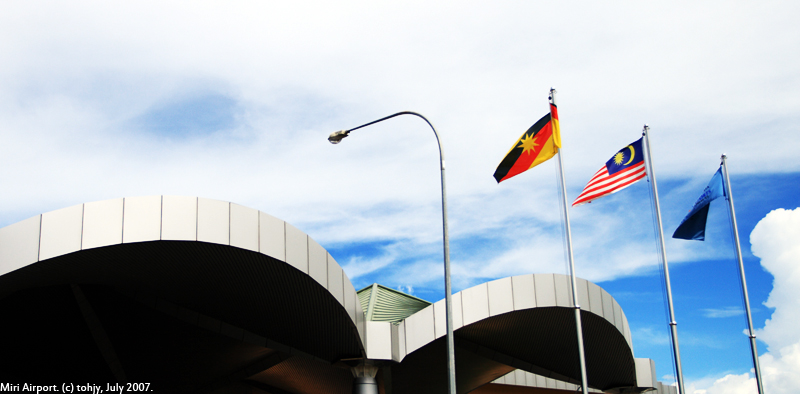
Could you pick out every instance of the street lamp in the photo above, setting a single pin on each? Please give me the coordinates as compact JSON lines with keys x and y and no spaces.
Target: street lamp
{"x":335,"y":138}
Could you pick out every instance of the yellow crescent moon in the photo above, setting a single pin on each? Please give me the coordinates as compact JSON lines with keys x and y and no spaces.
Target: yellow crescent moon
{"x":633,"y":153}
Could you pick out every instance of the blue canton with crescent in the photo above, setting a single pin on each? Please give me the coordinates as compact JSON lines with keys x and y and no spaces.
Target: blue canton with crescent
{"x":632,"y":155}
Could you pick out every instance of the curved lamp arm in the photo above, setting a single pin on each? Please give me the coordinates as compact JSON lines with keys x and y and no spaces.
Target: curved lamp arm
{"x":337,"y":136}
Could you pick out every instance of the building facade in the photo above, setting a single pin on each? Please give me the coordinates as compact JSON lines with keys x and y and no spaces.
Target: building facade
{"x":190,"y":295}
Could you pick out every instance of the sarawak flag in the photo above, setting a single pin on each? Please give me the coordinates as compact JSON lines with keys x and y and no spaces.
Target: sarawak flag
{"x":538,"y":144}
{"x":622,"y":170}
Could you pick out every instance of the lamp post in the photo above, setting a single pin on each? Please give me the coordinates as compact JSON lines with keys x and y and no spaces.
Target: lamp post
{"x":336,"y":138}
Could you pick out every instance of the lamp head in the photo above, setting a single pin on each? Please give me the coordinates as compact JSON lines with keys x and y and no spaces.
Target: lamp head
{"x":337,"y":136}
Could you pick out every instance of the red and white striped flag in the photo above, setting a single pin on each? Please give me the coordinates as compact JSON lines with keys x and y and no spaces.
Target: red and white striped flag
{"x":622,"y":170}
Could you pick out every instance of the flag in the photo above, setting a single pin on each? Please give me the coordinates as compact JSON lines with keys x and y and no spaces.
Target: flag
{"x":538,"y":144}
{"x":622,"y":170}
{"x":693,"y":225}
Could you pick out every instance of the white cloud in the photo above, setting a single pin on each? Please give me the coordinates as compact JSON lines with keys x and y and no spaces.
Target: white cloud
{"x":406,"y":289}
{"x":357,"y":266}
{"x":776,"y":240}
{"x":652,"y":336}
{"x":729,"y":384}
{"x":77,"y":79}
{"x":728,"y":311}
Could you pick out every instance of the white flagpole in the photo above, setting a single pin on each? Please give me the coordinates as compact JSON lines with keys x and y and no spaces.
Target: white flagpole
{"x":672,"y":323}
{"x":581,"y":355}
{"x":738,"y":248}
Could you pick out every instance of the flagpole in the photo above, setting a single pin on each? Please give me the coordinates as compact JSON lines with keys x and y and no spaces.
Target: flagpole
{"x":738,"y":248}
{"x":673,"y":325}
{"x":581,"y":355}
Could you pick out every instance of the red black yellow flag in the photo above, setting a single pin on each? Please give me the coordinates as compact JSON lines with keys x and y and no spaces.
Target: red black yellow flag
{"x":538,"y":144}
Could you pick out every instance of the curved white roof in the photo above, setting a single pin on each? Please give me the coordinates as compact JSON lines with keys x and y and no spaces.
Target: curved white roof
{"x":174,"y":218}
{"x":507,"y":295}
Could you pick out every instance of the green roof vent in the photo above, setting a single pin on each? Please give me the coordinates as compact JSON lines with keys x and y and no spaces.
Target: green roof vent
{"x":381,"y":303}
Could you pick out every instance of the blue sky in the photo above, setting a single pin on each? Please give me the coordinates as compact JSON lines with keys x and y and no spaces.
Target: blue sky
{"x":102,"y":100}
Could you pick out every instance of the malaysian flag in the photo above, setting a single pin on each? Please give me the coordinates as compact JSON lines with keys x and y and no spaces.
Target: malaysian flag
{"x":622,"y":170}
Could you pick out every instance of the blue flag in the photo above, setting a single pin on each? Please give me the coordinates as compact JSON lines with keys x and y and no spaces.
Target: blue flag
{"x":693,"y":225}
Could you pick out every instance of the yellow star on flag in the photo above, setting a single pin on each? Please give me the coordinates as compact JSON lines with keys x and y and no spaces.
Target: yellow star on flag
{"x":527,"y":144}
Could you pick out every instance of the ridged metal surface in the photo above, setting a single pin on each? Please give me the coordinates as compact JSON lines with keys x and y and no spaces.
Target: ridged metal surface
{"x":388,"y":305}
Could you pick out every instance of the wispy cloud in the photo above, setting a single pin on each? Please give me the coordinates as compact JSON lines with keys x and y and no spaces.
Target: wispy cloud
{"x":723,"y":312}
{"x":406,"y":289}
{"x":651,"y":336}
{"x":701,"y":339}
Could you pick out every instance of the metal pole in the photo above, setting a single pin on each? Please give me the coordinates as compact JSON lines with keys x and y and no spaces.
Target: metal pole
{"x":577,"y":307}
{"x":672,"y":323}
{"x":451,"y":360}
{"x":752,"y":335}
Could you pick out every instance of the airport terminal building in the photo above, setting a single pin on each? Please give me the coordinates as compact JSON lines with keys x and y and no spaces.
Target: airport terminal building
{"x":192,"y":295}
